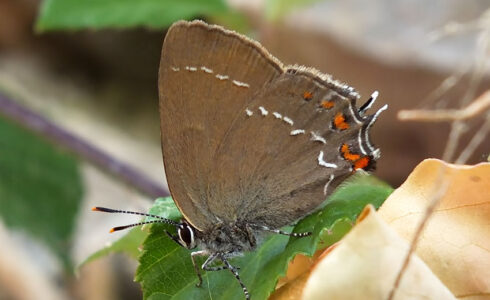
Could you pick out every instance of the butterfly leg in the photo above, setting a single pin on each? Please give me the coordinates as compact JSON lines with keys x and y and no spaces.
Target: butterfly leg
{"x":295,"y":234}
{"x":206,"y":264}
{"x":235,"y":273}
{"x":251,"y":236}
{"x":196,"y":268}
{"x":217,"y":268}
{"x":173,"y":237}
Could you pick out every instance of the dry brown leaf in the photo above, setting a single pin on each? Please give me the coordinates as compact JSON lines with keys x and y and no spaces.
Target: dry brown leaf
{"x":290,"y":287}
{"x":364,"y":266}
{"x":298,"y":266}
{"x":456,"y":242}
{"x":292,"y":290}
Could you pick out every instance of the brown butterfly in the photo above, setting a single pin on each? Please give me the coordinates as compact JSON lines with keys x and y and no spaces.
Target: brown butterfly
{"x":249,"y":145}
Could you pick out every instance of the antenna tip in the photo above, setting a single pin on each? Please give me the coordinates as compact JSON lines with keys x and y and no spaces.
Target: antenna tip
{"x":112,"y":230}
{"x":95,"y":208}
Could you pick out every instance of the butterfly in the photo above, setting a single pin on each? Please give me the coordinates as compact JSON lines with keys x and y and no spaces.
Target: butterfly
{"x":249,"y":145}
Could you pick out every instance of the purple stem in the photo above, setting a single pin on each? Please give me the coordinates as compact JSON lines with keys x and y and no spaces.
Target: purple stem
{"x":80,"y":147}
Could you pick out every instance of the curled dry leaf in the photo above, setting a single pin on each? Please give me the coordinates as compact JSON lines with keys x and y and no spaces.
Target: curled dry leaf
{"x":292,"y":290}
{"x":364,"y":266}
{"x":290,"y":287}
{"x":456,"y":241}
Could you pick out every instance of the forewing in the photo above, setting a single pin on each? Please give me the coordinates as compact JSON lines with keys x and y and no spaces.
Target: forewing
{"x":207,"y":77}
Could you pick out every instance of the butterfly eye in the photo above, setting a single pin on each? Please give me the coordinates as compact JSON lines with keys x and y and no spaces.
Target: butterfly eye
{"x":186,"y":236}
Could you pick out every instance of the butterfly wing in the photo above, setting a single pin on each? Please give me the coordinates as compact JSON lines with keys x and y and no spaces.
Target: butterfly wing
{"x":292,"y":145}
{"x":246,"y":140}
{"x":206,"y":77}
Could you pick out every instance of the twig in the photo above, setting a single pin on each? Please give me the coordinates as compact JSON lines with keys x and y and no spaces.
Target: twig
{"x":480,"y":105}
{"x":457,"y":128}
{"x":441,"y":185}
{"x":475,"y":141}
{"x":446,"y":85}
{"x":80,"y":147}
{"x":479,"y":66}
{"x":454,"y":28}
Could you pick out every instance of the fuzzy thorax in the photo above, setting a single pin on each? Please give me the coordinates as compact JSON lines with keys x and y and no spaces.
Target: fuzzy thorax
{"x":227,"y":238}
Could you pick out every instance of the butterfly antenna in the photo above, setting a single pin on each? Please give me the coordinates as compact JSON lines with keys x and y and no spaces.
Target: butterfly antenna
{"x":368,"y":103}
{"x":117,"y":211}
{"x":134,"y":225}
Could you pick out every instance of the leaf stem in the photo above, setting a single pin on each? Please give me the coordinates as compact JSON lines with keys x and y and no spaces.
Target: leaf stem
{"x":82,"y":148}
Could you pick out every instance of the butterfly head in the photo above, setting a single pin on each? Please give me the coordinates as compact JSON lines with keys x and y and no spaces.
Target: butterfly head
{"x":186,"y":235}
{"x":185,"y":232}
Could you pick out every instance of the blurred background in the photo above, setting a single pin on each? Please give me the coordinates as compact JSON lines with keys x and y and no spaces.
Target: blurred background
{"x":79,"y":122}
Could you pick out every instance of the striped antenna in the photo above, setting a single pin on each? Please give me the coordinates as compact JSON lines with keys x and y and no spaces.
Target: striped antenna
{"x":117,"y":211}
{"x":133,"y":225}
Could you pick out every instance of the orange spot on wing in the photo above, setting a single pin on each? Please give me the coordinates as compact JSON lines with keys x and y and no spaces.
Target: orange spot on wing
{"x":339,"y":122}
{"x":344,"y":149}
{"x":352,"y":156}
{"x":348,"y":155}
{"x":362,"y":163}
{"x":327,"y":104}
{"x":307,"y":95}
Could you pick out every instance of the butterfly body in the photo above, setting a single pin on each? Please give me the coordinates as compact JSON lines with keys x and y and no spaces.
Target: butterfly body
{"x":228,"y":238}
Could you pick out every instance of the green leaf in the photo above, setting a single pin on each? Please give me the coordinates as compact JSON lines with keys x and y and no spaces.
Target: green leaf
{"x":40,"y":188}
{"x":166,"y":271}
{"x":277,"y":9}
{"x":233,"y":20}
{"x":131,"y":242}
{"x":128,"y":244}
{"x":165,"y":207}
{"x":97,"y":14}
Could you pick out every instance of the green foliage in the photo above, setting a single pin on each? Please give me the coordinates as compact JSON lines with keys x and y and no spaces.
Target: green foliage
{"x":164,"y":207}
{"x":128,"y":244}
{"x":232,"y":20}
{"x":40,"y":188}
{"x":166,"y":270}
{"x":276,"y":9}
{"x":97,"y":14}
